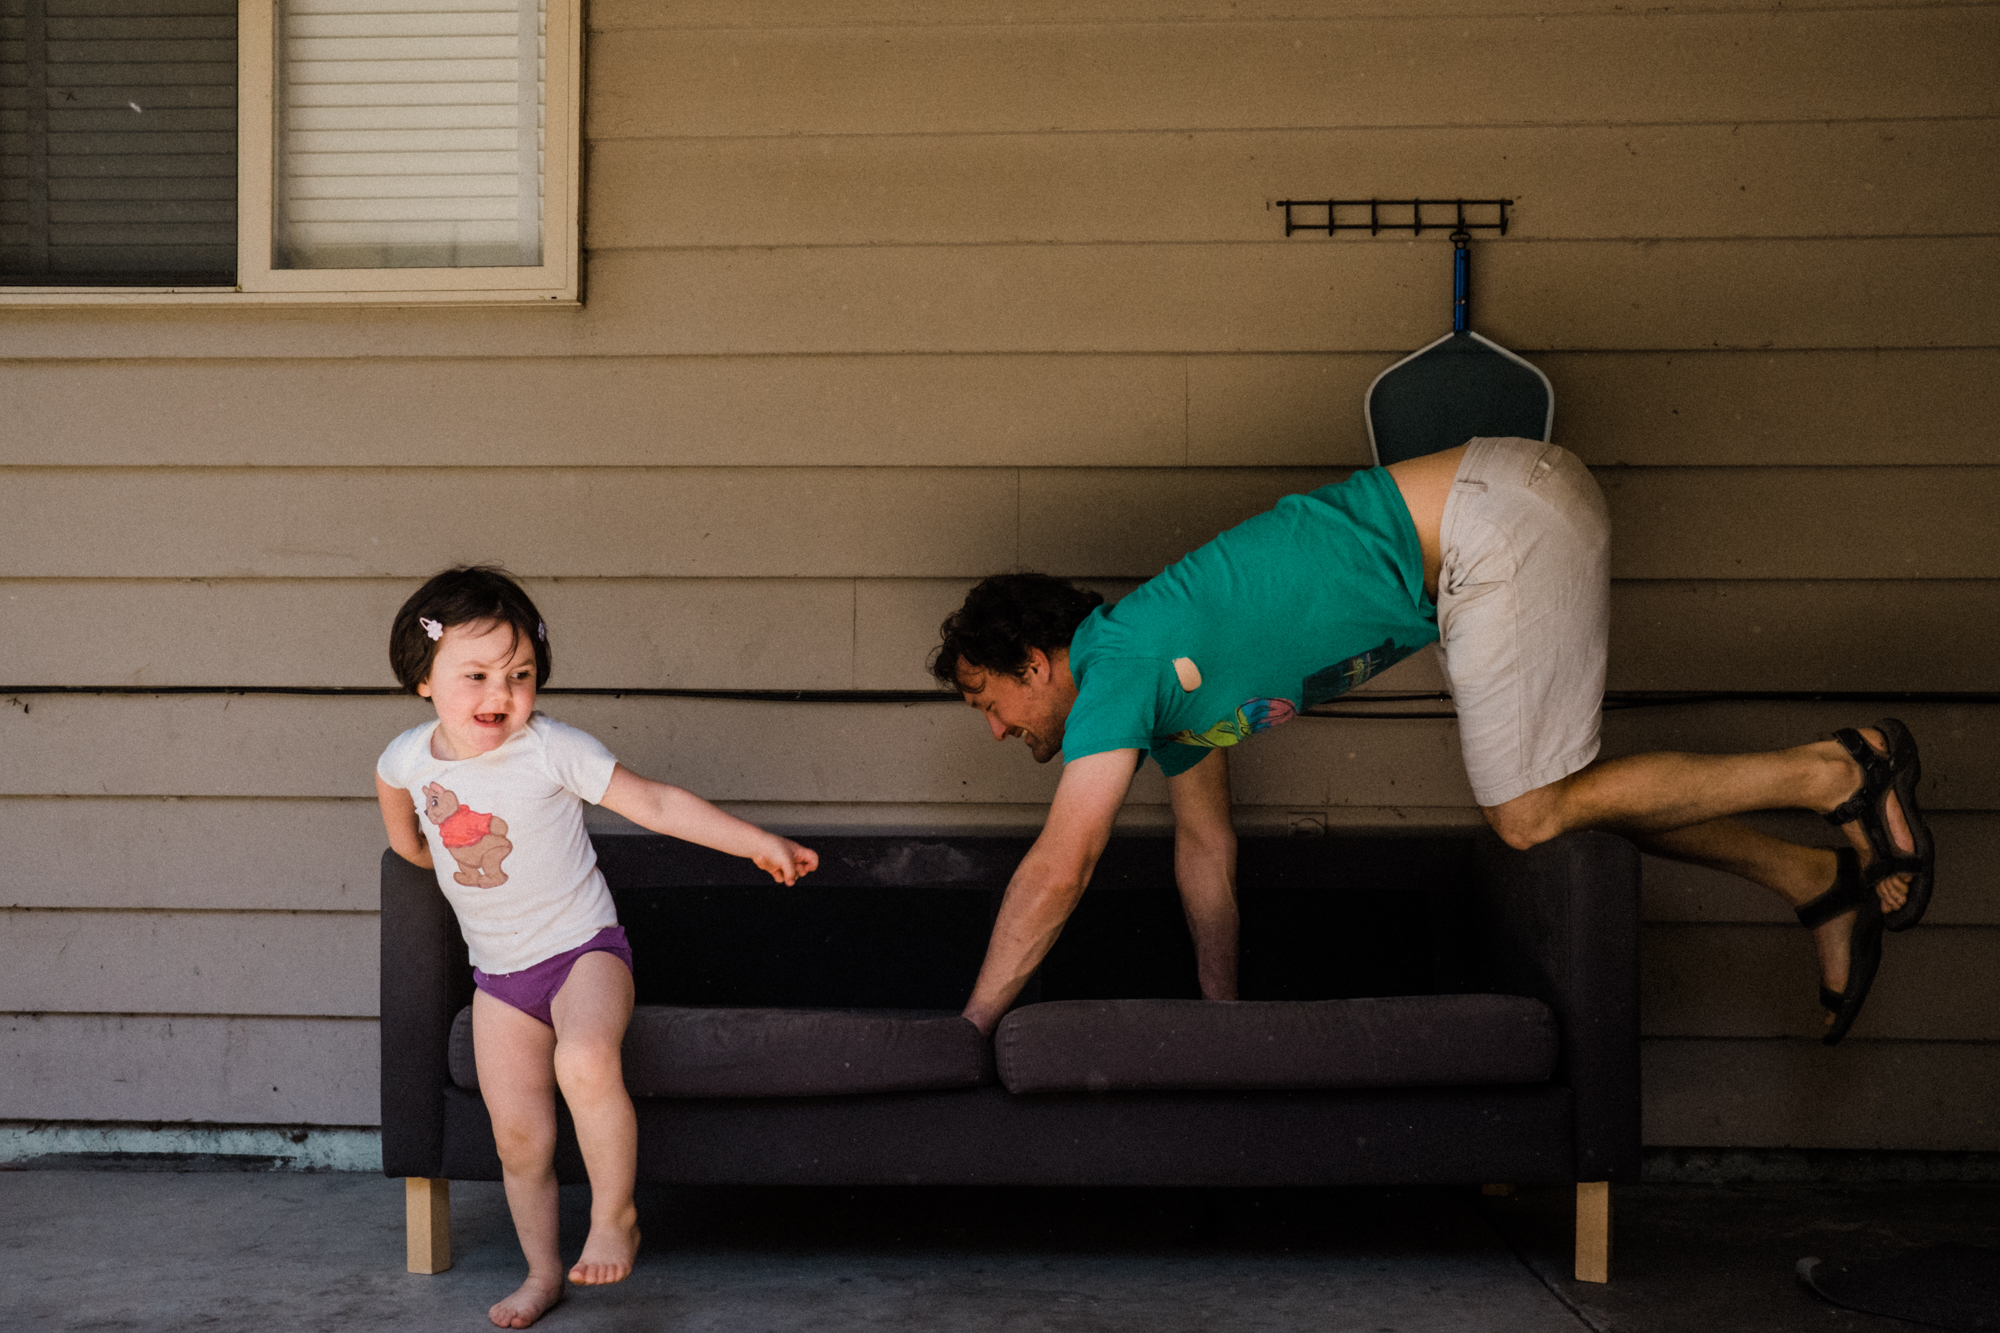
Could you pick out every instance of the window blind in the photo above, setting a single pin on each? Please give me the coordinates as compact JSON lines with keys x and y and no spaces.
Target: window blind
{"x":409,"y":134}
{"x":117,"y":142}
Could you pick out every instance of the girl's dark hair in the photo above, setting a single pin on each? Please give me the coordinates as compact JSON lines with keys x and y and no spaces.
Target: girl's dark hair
{"x":467,"y":595}
{"x":1006,"y":615}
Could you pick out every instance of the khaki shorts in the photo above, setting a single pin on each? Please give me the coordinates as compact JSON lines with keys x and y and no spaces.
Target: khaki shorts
{"x":1524,"y":610}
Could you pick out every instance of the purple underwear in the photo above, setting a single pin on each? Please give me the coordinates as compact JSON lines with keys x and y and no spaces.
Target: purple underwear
{"x":533,"y":989}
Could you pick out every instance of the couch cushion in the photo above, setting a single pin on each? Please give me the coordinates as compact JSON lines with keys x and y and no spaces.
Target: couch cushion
{"x":671,"y":1051}
{"x":1146,"y":1045}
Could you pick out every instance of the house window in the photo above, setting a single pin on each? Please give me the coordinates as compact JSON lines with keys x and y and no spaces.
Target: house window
{"x":384,"y":151}
{"x":117,"y":143}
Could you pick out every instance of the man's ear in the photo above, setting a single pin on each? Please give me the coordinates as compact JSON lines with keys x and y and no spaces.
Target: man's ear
{"x":1037,"y":665}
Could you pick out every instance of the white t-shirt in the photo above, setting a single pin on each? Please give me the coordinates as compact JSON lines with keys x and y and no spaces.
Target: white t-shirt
{"x":506,"y":834}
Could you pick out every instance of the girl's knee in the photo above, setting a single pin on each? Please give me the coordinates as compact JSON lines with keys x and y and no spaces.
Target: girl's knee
{"x":588,"y":1070}
{"x":524,"y":1147}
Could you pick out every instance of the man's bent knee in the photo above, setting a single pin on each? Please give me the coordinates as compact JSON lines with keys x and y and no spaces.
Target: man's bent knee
{"x":1530,"y":819}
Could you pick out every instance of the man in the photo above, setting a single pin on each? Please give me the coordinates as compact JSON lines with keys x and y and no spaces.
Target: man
{"x":1499,"y":552}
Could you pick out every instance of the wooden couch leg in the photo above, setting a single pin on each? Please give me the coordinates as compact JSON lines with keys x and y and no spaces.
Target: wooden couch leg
{"x":427,"y":1218}
{"x":1593,"y":1231}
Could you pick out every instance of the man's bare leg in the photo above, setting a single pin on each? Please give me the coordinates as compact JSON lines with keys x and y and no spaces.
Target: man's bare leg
{"x":1650,"y":794}
{"x":1796,"y":874}
{"x":1642,"y":796}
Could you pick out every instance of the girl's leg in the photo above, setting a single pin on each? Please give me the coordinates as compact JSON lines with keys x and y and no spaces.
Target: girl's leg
{"x":591,"y":1012}
{"x":515,"y":1054}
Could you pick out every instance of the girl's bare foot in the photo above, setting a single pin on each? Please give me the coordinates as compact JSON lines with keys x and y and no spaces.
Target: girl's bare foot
{"x":529,"y":1303}
{"x":609,"y":1250}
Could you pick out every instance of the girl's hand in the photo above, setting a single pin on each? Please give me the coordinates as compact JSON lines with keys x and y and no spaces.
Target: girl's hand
{"x":786,"y":861}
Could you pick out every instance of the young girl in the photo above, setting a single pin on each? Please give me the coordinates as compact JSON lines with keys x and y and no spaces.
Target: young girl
{"x":491,"y":794}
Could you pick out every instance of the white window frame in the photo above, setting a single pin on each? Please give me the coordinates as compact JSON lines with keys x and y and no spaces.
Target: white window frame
{"x":556,"y":281}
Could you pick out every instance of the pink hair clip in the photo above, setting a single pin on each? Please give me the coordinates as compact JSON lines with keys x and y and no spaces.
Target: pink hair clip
{"x":431,"y":627}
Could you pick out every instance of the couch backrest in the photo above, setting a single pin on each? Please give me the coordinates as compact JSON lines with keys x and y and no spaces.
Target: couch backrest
{"x":902,"y":922}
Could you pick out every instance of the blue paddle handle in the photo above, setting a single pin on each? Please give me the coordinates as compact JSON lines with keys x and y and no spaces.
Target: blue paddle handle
{"x":1461,"y":267}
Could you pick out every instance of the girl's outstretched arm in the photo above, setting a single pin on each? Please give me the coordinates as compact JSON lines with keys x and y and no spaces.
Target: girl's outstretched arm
{"x":399,"y":816}
{"x":672,"y":810}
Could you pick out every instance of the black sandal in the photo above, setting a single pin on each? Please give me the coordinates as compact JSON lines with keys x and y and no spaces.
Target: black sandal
{"x":1883,"y":774}
{"x":1864,"y":948}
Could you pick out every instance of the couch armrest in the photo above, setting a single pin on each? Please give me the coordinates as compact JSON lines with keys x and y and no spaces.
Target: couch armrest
{"x":1561,"y":923}
{"x":425,"y":982}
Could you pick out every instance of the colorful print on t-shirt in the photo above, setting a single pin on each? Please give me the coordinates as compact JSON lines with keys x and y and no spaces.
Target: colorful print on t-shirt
{"x":1338,"y":679}
{"x":478,"y":842}
{"x":1251,"y":717}
{"x":1257,"y":715}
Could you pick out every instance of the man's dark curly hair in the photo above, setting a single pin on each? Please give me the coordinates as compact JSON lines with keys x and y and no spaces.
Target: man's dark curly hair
{"x":1006,"y":615}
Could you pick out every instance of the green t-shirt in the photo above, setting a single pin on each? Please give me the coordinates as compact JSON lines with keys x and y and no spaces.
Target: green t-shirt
{"x":1287,"y":610}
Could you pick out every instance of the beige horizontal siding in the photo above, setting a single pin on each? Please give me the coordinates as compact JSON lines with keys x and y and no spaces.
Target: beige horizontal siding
{"x":815,"y":634}
{"x":182,"y":1068}
{"x":277,"y":746}
{"x":1937,"y":983}
{"x":715,"y":522}
{"x":1519,"y":68}
{"x":1774,"y":634}
{"x":750,"y":634}
{"x":1654,"y":408}
{"x":1568,"y":182}
{"x":1671,"y":523}
{"x":577,"y":411}
{"x":306,"y":964}
{"x":1302,"y":295}
{"x":1938,"y":1096}
{"x":247,"y":854}
{"x":611,"y":15}
{"x":1642,"y":408}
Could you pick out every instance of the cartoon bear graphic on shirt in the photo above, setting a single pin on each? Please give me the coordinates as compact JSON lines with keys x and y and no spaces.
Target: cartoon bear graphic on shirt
{"x":477,"y":842}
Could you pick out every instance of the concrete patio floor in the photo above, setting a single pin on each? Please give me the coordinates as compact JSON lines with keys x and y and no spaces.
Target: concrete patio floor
{"x":226,"y":1251}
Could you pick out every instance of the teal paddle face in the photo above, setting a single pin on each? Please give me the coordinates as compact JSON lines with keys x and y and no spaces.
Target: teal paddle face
{"x":1459,"y":387}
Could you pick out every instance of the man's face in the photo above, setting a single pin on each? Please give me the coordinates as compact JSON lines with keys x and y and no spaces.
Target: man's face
{"x":1033,"y":705}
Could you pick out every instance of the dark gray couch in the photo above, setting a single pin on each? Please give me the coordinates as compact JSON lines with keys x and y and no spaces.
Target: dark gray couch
{"x":1417,"y":1009}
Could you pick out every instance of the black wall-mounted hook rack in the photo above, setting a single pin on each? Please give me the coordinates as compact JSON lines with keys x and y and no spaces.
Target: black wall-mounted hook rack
{"x":1415,"y":222}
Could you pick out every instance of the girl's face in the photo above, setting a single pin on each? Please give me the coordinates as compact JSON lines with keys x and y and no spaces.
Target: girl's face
{"x":483,"y":683}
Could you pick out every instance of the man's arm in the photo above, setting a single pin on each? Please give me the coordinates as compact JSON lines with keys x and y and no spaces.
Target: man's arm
{"x":1205,"y":868}
{"x":1050,"y":878}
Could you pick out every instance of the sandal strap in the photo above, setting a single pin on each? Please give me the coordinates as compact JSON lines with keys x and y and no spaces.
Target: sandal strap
{"x":1882,"y":867}
{"x":1848,"y":891}
{"x":1831,"y":1000}
{"x":1878,"y":772}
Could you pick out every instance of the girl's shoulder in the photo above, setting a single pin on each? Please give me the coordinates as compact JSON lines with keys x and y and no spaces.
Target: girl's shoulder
{"x":403,"y":754}
{"x":573,"y":756}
